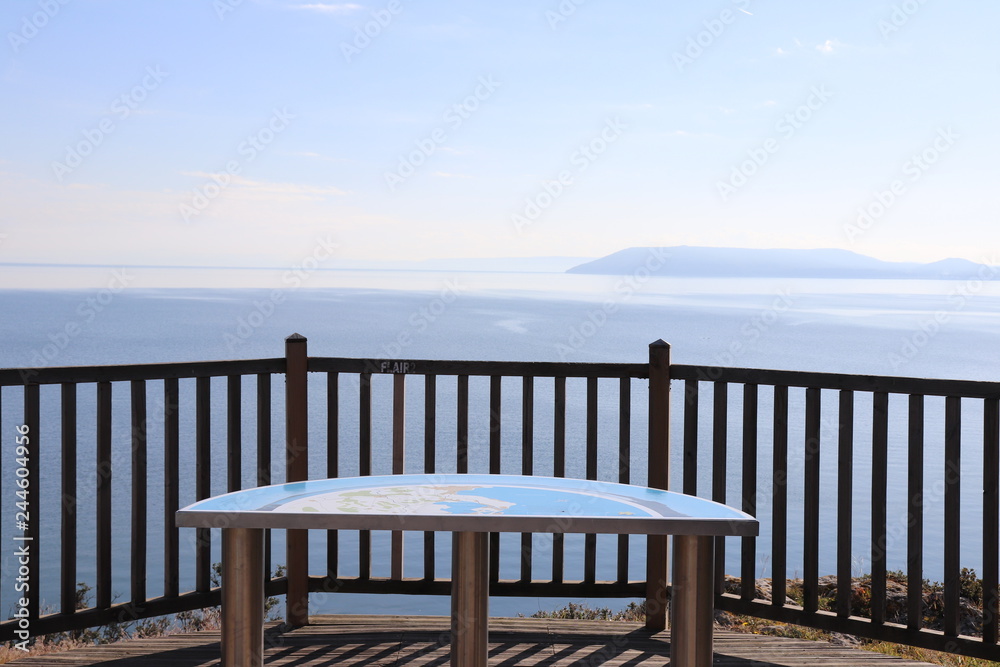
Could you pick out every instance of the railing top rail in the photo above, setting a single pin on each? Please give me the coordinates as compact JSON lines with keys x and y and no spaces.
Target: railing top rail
{"x":872,"y":383}
{"x":125,"y":372}
{"x":509,"y":368}
{"x":867,"y":383}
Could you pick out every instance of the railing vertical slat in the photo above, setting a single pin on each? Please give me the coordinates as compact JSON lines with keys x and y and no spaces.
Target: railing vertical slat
{"x":880,"y":483}
{"x":263,"y":429}
{"x":332,"y":465}
{"x":171,"y":487}
{"x":462,"y":428}
{"x":264,"y":452}
{"x":590,"y":539}
{"x":365,"y":468}
{"x":690,"y":465}
{"x":496,"y":383}
{"x":398,"y":461}
{"x":398,"y":423}
{"x":430,"y":439}
{"x":748,"y":558}
{"x":952,"y":512}
{"x":104,"y":473}
{"x":779,"y":505}
{"x":234,"y":433}
{"x":991,"y":519}
{"x":527,"y":425}
{"x":32,"y":534}
{"x":139,"y":486}
{"x":527,"y":461}
{"x":559,"y":429}
{"x":624,"y":463}
{"x":3,"y":464}
{"x":558,"y":467}
{"x":203,"y":479}
{"x":915,"y":514}
{"x":365,"y":424}
{"x":495,"y":424}
{"x":810,"y":523}
{"x":720,"y":450}
{"x":67,"y":567}
{"x":845,"y":500}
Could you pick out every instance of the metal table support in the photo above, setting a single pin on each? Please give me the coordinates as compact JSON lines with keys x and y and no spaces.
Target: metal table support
{"x":242,"y":597}
{"x":692,"y":601}
{"x":470,"y":595}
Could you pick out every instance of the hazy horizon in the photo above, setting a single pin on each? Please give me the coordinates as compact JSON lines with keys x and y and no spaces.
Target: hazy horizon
{"x":340,"y":263}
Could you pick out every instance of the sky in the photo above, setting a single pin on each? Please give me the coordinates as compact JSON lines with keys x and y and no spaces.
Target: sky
{"x":259,"y":132}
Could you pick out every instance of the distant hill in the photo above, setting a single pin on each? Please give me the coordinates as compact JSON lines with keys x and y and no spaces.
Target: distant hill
{"x":693,"y":261}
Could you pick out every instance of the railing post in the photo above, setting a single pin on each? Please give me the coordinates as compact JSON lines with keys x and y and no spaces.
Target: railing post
{"x":658,"y":458}
{"x":296,"y":470}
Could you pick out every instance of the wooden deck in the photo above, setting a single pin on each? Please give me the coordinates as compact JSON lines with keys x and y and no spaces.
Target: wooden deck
{"x":423,"y":640}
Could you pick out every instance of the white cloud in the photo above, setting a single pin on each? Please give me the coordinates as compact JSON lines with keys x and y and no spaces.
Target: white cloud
{"x":828,"y":46}
{"x":780,"y":52}
{"x":269,"y":190}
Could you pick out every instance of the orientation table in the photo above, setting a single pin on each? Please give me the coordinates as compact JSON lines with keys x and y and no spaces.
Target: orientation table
{"x":470,"y":506}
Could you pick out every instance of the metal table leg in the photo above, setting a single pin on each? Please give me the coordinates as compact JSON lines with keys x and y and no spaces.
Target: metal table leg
{"x":242,"y":597}
{"x":692,"y":601}
{"x":470,"y":590}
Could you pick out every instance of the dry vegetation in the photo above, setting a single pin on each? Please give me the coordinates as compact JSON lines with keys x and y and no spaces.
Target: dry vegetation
{"x":187,"y":621}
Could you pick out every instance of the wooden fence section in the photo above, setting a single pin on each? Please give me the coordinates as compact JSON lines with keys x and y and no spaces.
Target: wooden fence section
{"x":833,"y":408}
{"x":504,"y":454}
{"x":766,"y":440}
{"x":82,"y":492}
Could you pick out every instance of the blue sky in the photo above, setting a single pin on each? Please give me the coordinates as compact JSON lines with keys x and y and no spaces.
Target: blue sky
{"x":252,"y":132}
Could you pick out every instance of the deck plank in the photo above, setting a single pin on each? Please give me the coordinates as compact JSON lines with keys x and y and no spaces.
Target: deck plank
{"x":376,"y":641}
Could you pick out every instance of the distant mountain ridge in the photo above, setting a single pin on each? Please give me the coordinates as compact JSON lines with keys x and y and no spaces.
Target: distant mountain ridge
{"x":698,"y":261}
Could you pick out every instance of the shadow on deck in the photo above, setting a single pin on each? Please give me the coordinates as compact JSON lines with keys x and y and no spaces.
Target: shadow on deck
{"x":371,"y":641}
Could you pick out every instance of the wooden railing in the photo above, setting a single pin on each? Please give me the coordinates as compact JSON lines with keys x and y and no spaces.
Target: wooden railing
{"x":83,"y":491}
{"x":941,"y":500}
{"x":503,"y":445}
{"x":364,"y":416}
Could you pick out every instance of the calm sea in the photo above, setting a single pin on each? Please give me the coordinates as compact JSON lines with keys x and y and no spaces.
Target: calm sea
{"x":942,"y":329}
